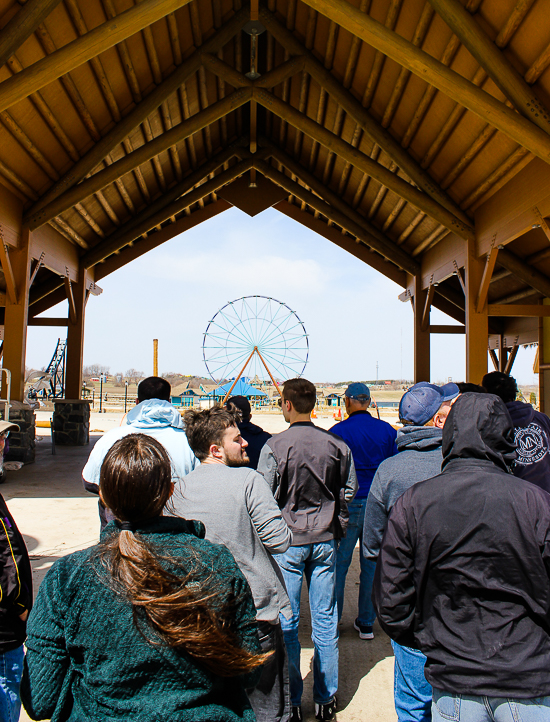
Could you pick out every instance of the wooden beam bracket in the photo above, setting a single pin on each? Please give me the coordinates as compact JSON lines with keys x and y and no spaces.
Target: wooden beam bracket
{"x":486,"y":280}
{"x":511,"y":359}
{"x":427,"y":307}
{"x":70,"y":297}
{"x":9,"y":276}
{"x":36,"y":268}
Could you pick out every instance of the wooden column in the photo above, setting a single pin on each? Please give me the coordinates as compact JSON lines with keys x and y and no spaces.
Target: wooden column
{"x":421,"y":334}
{"x":16,"y":266}
{"x":477,"y":323}
{"x":75,"y":336}
{"x":544,"y":359}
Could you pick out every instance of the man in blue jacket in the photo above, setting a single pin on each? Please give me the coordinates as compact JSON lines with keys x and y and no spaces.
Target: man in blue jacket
{"x":371,"y":441}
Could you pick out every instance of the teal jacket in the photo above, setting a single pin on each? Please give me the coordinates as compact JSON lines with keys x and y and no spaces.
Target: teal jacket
{"x":86,"y":659}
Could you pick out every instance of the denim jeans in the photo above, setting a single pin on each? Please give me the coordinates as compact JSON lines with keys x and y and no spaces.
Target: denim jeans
{"x":366,"y":614}
{"x":412,"y":692}
{"x":11,"y":670}
{"x":317,"y":563}
{"x":270,"y":698}
{"x":462,"y":708}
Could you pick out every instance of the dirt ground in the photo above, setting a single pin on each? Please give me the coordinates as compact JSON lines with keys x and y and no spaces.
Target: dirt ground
{"x":58,"y":517}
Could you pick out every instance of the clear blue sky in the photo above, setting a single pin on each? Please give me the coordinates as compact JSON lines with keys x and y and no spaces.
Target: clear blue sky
{"x":351,"y":312}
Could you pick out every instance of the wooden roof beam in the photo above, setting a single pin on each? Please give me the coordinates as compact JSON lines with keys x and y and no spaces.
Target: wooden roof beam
{"x":383,"y":246}
{"x":390,"y":180}
{"x":493,"y":61}
{"x":124,"y":165}
{"x":524,"y":272}
{"x":334,"y":200}
{"x":155,"y":213}
{"x":22,"y":26}
{"x":362,"y":117}
{"x":147,"y":106}
{"x":109,"y":246}
{"x":435,"y":73}
{"x":83,"y":49}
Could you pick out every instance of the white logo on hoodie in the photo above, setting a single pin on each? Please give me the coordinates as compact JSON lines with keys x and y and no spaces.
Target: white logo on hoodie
{"x":532,"y":444}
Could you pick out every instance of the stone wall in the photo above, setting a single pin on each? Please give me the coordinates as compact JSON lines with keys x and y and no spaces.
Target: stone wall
{"x":21,"y":443}
{"x":71,"y":422}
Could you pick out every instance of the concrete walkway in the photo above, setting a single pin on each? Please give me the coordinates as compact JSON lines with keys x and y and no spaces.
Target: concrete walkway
{"x":58,"y":517}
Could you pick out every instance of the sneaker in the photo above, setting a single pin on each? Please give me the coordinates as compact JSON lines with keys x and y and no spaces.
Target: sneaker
{"x":296,"y":715}
{"x":326,"y":711}
{"x":365,"y":631}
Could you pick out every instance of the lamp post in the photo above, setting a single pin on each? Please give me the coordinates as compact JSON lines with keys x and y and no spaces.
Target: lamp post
{"x":125,"y":395}
{"x":101,"y":392}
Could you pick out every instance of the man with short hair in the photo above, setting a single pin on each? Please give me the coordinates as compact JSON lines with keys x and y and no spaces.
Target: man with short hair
{"x":154,"y":416}
{"x":423,"y":410}
{"x":371,"y":441}
{"x":463,"y":574}
{"x":312,"y":476}
{"x":238,"y":510}
{"x":531,"y":431}
{"x":254,"y":435}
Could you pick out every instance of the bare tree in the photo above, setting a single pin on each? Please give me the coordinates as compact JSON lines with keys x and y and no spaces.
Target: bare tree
{"x":133,"y":376}
{"x":95,"y":371}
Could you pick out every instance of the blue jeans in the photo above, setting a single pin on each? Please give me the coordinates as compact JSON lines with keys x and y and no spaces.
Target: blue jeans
{"x":11,"y":670}
{"x":412,"y":692}
{"x":462,"y":708}
{"x":317,"y":562}
{"x":366,"y":614}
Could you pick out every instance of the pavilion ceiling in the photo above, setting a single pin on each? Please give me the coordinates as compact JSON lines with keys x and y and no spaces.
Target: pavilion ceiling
{"x":388,"y":123}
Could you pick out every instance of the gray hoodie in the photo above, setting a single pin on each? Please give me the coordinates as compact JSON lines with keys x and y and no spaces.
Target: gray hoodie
{"x":419,"y":458}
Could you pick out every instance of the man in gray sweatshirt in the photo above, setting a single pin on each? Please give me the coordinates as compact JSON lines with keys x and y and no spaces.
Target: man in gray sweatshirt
{"x":423,"y":411}
{"x":238,"y":510}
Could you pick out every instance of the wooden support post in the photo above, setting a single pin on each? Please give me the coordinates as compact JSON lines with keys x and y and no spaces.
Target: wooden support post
{"x":477,"y":322}
{"x":454,"y":85}
{"x":16,"y":314}
{"x":544,"y":361}
{"x":75,"y":339}
{"x":421,"y":335}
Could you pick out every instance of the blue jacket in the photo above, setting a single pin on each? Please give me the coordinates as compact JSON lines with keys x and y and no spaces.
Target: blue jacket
{"x":371,"y":442}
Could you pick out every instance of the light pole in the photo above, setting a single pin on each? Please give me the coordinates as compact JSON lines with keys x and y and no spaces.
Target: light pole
{"x":101,"y":392}
{"x":125,"y":395}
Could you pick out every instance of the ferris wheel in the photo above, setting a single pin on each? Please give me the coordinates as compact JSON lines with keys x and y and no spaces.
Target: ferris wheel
{"x":258,"y":334}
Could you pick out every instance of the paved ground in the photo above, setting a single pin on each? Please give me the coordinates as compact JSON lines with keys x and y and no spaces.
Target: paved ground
{"x":58,"y":517}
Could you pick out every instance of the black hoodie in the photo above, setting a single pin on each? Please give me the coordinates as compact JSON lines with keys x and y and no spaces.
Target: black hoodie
{"x":531,"y":432}
{"x":463,"y":572}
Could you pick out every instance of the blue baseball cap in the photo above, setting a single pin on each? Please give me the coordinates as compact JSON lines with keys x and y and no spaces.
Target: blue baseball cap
{"x":422,"y":401}
{"x":357,"y":389}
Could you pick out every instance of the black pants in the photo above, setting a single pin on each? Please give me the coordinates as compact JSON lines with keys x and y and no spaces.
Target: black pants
{"x":270,"y":699}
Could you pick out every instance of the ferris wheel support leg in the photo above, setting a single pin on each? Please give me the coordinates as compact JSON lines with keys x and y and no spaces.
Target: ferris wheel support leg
{"x":228,"y":394}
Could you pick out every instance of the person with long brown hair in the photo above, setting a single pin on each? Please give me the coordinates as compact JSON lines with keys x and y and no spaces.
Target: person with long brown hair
{"x":152,"y":623}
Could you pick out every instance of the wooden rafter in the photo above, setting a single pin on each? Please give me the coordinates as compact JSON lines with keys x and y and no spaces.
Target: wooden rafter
{"x":360,"y":160}
{"x":99,"y":180}
{"x":22,"y":26}
{"x":355,"y":110}
{"x":495,"y":63}
{"x":521,"y":270}
{"x":453,"y":84}
{"x":518,"y":311}
{"x":147,"y":106}
{"x":385,"y":248}
{"x":83,"y":49}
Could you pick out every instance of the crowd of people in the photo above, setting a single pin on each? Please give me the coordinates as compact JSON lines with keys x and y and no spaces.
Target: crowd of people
{"x":188,"y":608}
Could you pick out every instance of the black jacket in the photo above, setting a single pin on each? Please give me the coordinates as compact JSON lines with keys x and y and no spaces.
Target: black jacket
{"x":463,"y":572}
{"x":312,"y":476}
{"x":532,"y":434}
{"x":15,"y":582}
{"x":256,"y":438}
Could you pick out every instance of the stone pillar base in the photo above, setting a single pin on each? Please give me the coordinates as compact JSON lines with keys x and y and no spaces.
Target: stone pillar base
{"x":21,"y":443}
{"x":71,"y":422}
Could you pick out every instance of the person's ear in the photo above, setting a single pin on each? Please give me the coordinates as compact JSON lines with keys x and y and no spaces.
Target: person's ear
{"x":216,"y":451}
